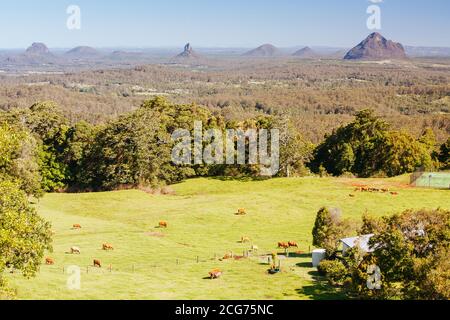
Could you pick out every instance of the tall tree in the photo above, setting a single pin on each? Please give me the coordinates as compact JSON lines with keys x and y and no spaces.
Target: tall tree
{"x":24,"y":236}
{"x":19,"y":159}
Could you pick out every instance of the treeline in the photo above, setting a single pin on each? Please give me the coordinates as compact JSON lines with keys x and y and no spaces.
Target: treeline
{"x":43,"y":152}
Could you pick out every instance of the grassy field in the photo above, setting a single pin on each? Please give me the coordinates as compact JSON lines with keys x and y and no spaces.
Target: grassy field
{"x":152,"y":263}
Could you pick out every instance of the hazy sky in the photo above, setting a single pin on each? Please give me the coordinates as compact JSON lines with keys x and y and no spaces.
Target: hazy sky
{"x":222,"y":23}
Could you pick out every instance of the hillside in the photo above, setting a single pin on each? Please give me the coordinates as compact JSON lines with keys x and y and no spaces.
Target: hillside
{"x":264,"y":51}
{"x":306,"y":53}
{"x":83,"y":52}
{"x":377,"y":47}
{"x":152,"y":263}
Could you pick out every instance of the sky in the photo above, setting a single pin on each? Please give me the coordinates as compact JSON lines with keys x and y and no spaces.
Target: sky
{"x":220,"y":23}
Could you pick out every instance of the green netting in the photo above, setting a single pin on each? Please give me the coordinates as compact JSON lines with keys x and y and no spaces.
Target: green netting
{"x":439,"y":180}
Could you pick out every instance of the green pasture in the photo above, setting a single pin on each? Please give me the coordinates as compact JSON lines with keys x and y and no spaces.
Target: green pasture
{"x":173,"y":263}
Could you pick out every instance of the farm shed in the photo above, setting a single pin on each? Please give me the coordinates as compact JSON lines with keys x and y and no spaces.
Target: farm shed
{"x":362,"y":242}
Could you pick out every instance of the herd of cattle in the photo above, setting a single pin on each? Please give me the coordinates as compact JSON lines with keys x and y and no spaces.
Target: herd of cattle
{"x":76,"y":250}
{"x":373,"y":190}
{"x":214,"y":274}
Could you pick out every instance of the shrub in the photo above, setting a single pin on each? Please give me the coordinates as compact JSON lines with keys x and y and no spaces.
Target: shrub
{"x":334,"y":270}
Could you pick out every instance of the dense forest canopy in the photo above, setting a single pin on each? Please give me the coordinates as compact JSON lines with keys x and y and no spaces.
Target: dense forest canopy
{"x":318,"y":96}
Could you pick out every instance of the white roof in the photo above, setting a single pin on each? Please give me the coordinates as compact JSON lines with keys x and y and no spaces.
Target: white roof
{"x":362,"y":242}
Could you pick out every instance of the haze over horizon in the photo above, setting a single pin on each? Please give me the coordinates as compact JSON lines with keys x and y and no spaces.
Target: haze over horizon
{"x":232,"y":23}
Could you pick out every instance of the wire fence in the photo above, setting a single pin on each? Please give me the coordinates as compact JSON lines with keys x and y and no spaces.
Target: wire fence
{"x":436,"y":180}
{"x":260,"y":257}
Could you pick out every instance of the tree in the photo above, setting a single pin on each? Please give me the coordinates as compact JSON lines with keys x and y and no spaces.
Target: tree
{"x":19,"y":159}
{"x":353,"y":148}
{"x":366,"y":147}
{"x":370,"y":224}
{"x":24,"y":236}
{"x":444,"y":155}
{"x":136,"y":149}
{"x":295,"y":150}
{"x":80,"y":139}
{"x":412,"y":251}
{"x":402,"y":153}
{"x":49,"y":127}
{"x":328,"y":230}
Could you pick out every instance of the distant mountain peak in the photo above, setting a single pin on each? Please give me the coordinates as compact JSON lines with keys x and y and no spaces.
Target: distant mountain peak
{"x":306,"y":53}
{"x":188,"y":52}
{"x":37,"y":48}
{"x":376,"y":47}
{"x":266,"y":50}
{"x":82,"y":51}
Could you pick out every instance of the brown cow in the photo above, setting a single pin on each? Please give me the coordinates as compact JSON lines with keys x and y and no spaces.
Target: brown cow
{"x":107,"y":246}
{"x":394,"y":193}
{"x":163,"y":224}
{"x":215,"y":274}
{"x":283,"y":245}
{"x":293,"y":244}
{"x":49,"y":261}
{"x":76,"y":226}
{"x":97,"y":263}
{"x":75,"y":250}
{"x":241,"y":212}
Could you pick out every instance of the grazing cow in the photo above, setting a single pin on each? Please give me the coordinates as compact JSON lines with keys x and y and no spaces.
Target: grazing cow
{"x":351,"y":195}
{"x":292,"y":244}
{"x":215,"y":274}
{"x":49,"y":261}
{"x":76,"y":226}
{"x":385,"y":190}
{"x":75,"y":250}
{"x":228,"y":256}
{"x":97,"y":263}
{"x":394,"y":193}
{"x":107,"y":246}
{"x":163,"y":224}
{"x":245,"y":239}
{"x":241,"y":212}
{"x":283,"y":245}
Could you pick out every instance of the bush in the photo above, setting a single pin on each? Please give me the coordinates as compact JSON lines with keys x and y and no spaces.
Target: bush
{"x":334,"y":270}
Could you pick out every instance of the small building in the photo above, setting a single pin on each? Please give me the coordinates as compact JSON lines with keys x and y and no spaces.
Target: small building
{"x":317,"y":256}
{"x":362,"y":242}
